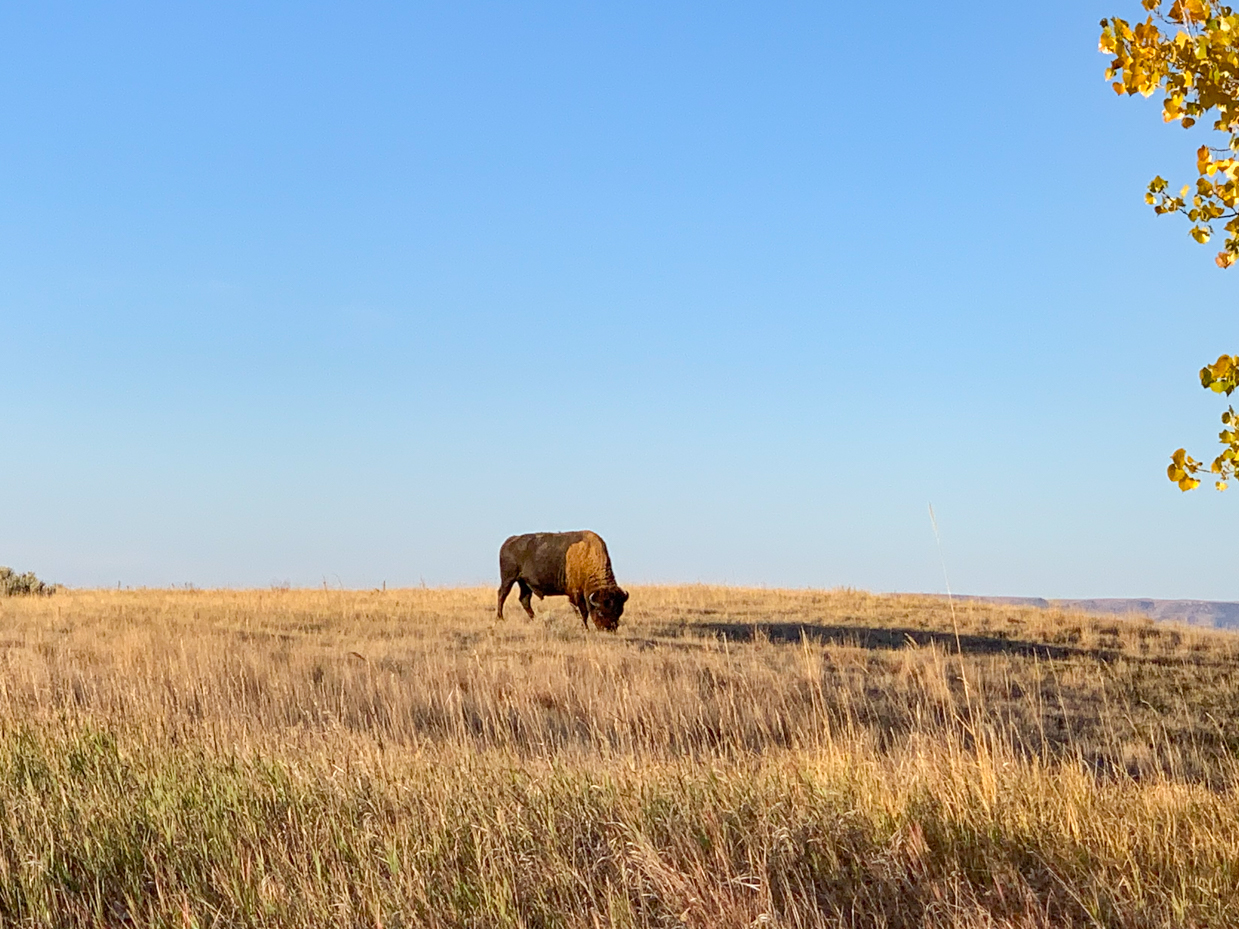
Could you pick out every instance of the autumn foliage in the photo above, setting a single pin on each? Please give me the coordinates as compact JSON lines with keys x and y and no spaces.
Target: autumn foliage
{"x":1221,"y":377}
{"x":1190,"y":53}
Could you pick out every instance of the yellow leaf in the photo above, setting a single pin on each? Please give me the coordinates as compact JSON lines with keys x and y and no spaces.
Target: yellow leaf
{"x":1220,"y":485}
{"x":1188,"y":11}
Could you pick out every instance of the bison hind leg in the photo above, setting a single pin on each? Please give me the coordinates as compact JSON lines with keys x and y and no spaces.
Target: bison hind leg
{"x":504,"y":589}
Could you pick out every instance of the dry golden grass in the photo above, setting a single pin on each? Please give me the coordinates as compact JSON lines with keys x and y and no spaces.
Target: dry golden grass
{"x":731,"y":758}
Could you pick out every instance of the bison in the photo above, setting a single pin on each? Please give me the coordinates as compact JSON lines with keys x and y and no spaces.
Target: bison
{"x":557,"y":563}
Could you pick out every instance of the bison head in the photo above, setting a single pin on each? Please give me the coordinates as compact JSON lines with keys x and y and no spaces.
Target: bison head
{"x":606,"y":606}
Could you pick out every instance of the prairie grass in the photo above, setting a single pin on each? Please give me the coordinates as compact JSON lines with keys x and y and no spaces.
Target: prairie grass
{"x":732,"y":757}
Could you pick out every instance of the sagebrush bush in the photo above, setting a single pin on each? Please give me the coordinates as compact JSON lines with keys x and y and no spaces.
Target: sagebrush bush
{"x":13,"y":584}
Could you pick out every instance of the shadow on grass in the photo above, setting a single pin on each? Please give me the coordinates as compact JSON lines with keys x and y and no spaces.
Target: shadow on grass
{"x":888,"y":639}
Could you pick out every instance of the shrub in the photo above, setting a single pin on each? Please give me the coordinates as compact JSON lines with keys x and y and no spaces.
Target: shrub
{"x":13,"y":584}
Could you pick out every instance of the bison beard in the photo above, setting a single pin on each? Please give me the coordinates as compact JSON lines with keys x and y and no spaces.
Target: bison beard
{"x":575,"y":564}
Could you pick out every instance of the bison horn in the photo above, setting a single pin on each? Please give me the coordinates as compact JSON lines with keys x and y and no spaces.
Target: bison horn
{"x":592,"y":599}
{"x":624,"y":595}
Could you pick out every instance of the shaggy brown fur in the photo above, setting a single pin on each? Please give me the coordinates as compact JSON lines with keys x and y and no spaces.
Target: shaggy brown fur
{"x":588,"y":565}
{"x":575,"y":564}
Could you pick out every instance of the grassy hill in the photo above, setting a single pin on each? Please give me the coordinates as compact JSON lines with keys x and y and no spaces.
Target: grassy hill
{"x":732,"y":757}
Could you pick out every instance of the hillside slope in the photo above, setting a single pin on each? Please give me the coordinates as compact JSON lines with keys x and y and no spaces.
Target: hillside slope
{"x":731,"y":758}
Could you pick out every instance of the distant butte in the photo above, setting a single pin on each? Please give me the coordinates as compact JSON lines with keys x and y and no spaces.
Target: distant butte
{"x":1217,"y":614}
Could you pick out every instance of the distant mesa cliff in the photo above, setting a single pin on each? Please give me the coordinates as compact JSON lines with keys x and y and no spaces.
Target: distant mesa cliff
{"x":1219,"y":614}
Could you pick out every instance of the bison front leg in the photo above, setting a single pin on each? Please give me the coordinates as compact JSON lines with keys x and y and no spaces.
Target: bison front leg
{"x":526,"y":594}
{"x":582,"y":607}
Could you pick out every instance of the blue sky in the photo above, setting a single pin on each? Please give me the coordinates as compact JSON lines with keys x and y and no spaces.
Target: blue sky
{"x":306,"y":292}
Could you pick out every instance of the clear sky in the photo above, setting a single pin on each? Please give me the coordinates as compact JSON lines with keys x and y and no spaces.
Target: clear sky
{"x":351,"y":292}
